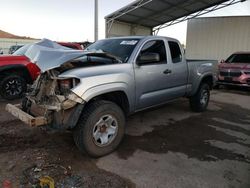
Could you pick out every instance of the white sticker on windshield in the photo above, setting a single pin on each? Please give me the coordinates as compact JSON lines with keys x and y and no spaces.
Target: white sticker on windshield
{"x":129,"y":42}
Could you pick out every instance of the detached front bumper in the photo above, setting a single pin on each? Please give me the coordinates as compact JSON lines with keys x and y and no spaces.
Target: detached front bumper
{"x":25,"y":117}
{"x":63,"y":119}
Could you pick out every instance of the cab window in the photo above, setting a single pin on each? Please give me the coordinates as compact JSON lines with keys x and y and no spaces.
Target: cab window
{"x":175,"y":52}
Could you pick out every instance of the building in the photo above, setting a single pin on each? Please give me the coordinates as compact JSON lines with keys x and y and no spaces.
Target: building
{"x":7,"y":40}
{"x":217,"y":37}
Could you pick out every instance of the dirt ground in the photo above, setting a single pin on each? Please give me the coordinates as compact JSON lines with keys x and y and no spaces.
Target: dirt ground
{"x":164,"y":147}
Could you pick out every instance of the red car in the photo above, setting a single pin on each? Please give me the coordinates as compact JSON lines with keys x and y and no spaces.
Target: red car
{"x":16,"y":71}
{"x":235,"y":70}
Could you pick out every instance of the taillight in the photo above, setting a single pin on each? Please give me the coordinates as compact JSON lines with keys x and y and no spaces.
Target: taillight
{"x":34,"y":70}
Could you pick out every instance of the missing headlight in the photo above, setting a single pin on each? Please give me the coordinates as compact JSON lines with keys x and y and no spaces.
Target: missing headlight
{"x":66,"y":84}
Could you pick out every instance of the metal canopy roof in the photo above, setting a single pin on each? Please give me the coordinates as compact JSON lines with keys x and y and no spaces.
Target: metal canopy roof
{"x":162,"y":13}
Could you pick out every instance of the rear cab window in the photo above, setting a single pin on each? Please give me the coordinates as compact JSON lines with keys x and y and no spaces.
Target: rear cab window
{"x":175,"y":52}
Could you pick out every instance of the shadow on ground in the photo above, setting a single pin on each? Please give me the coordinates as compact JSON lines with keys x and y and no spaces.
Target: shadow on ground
{"x":234,"y":90}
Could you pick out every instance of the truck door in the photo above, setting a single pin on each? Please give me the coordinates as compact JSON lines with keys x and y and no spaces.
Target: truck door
{"x":152,"y":78}
{"x":179,"y":75}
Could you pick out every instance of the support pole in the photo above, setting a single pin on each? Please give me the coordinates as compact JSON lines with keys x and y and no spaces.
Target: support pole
{"x":96,"y":20}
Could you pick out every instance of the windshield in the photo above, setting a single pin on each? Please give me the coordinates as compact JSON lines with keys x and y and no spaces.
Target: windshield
{"x":22,"y":50}
{"x":121,"y":48}
{"x":239,"y":58}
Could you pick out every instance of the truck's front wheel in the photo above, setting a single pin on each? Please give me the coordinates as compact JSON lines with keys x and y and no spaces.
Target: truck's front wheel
{"x":199,"y":101}
{"x":100,"y":128}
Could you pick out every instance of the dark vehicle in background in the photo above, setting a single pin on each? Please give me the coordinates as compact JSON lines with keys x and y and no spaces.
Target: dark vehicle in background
{"x":14,"y":48}
{"x":16,"y":71}
{"x":85,"y":44}
{"x":71,"y":45}
{"x":235,"y":70}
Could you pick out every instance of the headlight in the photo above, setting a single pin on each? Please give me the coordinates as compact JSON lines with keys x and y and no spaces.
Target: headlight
{"x":66,"y":84}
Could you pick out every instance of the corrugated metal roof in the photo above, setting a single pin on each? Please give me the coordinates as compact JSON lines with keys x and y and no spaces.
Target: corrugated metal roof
{"x":152,"y":13}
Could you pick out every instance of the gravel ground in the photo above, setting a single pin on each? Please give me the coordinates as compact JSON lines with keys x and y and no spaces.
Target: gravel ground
{"x":164,"y":147}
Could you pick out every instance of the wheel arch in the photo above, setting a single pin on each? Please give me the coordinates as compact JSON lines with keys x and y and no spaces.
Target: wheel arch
{"x":116,"y":94}
{"x":207,"y":78}
{"x":20,"y":70}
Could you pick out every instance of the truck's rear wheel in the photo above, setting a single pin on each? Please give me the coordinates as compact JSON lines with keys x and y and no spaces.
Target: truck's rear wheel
{"x":12,"y":86}
{"x":199,"y":102}
{"x":100,"y":128}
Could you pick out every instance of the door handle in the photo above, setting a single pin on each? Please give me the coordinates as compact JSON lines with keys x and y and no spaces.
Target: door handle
{"x":167,"y":71}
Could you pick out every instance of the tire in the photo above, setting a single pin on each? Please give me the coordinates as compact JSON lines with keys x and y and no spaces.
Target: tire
{"x":199,"y":102}
{"x":100,"y":128}
{"x":12,"y":86}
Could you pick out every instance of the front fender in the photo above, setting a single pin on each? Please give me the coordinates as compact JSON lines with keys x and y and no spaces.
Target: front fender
{"x":108,"y":88}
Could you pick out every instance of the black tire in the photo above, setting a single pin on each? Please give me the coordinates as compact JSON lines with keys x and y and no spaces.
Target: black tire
{"x":12,"y":86}
{"x":199,"y":102}
{"x":87,"y":124}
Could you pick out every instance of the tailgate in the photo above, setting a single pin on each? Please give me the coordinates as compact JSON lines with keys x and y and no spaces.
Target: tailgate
{"x":25,"y":117}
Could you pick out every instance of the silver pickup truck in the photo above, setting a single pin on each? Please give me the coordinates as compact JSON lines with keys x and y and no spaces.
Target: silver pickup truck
{"x":91,"y":92}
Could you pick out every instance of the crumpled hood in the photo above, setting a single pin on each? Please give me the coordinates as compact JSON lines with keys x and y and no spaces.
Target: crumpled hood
{"x":48,"y":55}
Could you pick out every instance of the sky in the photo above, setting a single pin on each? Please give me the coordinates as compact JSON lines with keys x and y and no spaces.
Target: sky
{"x":73,"y":20}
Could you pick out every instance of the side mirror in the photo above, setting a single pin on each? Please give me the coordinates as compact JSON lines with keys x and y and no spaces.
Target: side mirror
{"x":148,"y":58}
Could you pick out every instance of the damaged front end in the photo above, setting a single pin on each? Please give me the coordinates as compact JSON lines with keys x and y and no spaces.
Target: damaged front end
{"x":55,"y":97}
{"x":52,"y":97}
{"x":52,"y":100}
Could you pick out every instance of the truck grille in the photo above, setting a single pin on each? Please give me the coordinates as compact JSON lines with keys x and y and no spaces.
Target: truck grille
{"x":231,"y":74}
